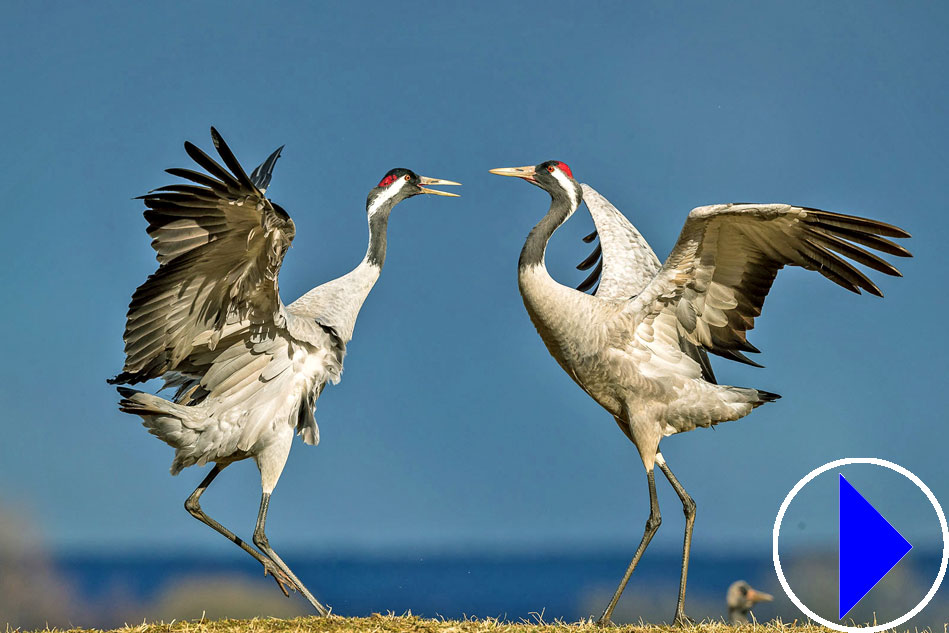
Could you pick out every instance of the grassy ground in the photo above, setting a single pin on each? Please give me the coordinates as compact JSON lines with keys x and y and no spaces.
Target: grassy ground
{"x":403,"y":624}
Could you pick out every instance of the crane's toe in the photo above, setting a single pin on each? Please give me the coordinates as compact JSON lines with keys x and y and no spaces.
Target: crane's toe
{"x":682,"y":619}
{"x":283,"y":581}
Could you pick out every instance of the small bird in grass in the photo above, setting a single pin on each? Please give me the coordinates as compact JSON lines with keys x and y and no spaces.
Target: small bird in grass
{"x":741,"y":599}
{"x":248,"y":369}
{"x":638,"y":345}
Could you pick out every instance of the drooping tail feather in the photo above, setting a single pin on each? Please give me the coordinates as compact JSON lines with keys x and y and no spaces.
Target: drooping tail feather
{"x":765,"y":396}
{"x":754,"y":397}
{"x":122,"y":379}
{"x":176,"y":425}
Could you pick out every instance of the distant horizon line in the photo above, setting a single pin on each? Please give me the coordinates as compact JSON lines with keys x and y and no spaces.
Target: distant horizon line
{"x":439,"y":553}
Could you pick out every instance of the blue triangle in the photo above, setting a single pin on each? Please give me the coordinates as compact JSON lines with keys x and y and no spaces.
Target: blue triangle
{"x":869,"y":547}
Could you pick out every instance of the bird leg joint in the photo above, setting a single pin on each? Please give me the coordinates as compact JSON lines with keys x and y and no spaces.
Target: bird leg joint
{"x":688,"y":507}
{"x":653,"y":522}
{"x":260,"y":539}
{"x":193,"y":506}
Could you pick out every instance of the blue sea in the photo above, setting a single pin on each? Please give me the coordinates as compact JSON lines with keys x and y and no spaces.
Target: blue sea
{"x":519,"y":586}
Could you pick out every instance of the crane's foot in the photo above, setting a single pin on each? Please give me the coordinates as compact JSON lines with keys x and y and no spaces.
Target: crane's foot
{"x":283,"y":581}
{"x":682,"y":619}
{"x":604,"y":623}
{"x":323,"y":610}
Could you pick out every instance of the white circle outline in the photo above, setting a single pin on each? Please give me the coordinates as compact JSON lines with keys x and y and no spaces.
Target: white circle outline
{"x":876,"y":462}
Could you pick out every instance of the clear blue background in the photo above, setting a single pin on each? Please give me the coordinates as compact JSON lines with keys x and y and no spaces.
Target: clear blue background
{"x":453,"y":428}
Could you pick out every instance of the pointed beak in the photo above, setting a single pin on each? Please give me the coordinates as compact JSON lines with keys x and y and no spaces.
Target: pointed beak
{"x":759,"y":596}
{"x":527,"y":173}
{"x":437,"y":181}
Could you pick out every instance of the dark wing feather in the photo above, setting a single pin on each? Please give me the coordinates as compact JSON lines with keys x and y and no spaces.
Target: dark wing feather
{"x":231,"y":161}
{"x":596,"y":256}
{"x":700,"y":356}
{"x":220,"y":244}
{"x":592,"y":259}
{"x":263,"y":172}
{"x":593,"y":278}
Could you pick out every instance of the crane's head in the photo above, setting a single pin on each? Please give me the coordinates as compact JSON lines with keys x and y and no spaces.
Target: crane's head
{"x":741,"y":598}
{"x":399,"y":184}
{"x":553,"y":176}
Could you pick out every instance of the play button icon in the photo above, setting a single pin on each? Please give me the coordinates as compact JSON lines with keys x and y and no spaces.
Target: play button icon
{"x":869,"y":547}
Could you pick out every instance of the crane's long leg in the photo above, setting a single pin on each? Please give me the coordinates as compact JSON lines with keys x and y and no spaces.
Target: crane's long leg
{"x":260,"y":540}
{"x":652,"y":525}
{"x":193,"y":506}
{"x":688,"y":506}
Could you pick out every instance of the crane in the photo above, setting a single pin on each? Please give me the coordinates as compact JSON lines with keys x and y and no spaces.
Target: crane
{"x":210,"y":322}
{"x":638,"y":346}
{"x":741,"y":599}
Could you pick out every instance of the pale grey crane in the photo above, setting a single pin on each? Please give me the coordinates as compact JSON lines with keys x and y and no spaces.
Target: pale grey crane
{"x":638,"y":345}
{"x":740,"y":599}
{"x":248,"y":369}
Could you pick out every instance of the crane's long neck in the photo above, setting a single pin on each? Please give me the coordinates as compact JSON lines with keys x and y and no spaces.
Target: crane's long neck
{"x":359,"y":282}
{"x":736,"y":616}
{"x":378,"y":228}
{"x":535,"y":247}
{"x":549,"y":303}
{"x":337,"y":302}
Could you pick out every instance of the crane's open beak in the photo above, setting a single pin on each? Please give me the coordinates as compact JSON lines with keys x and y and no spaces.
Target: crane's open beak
{"x":527,"y":173}
{"x":423,"y":180}
{"x":759,"y":596}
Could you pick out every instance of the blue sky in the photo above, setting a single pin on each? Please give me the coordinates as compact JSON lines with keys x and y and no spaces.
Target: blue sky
{"x":452,"y":426}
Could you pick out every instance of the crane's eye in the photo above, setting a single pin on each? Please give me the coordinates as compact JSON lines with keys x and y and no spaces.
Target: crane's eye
{"x":550,"y":168}
{"x":408,"y":177}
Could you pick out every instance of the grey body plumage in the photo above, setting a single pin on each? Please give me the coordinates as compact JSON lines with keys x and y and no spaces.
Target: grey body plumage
{"x":210,"y":322}
{"x":638,"y":346}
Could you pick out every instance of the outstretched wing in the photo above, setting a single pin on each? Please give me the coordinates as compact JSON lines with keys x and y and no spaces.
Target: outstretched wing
{"x":713,"y":284}
{"x":220,"y":244}
{"x":625,"y":263}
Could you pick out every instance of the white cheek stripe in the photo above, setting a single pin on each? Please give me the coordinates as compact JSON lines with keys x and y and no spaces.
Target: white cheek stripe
{"x":568,"y":187}
{"x":388,"y":194}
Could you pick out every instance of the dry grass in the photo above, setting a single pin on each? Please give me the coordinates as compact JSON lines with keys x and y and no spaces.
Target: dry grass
{"x":406,"y":623}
